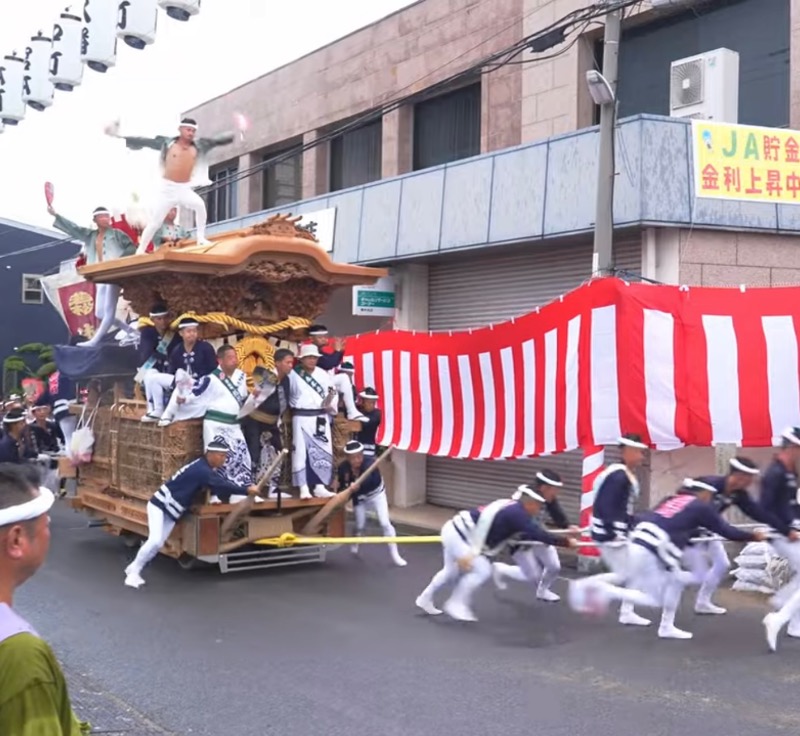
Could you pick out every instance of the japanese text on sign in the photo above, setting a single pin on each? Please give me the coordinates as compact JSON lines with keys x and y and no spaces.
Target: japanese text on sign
{"x":745,"y":162}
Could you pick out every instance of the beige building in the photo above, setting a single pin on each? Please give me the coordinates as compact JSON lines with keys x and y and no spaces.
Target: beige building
{"x":474,"y":178}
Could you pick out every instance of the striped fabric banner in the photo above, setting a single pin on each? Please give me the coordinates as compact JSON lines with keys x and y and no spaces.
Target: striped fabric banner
{"x":679,"y":366}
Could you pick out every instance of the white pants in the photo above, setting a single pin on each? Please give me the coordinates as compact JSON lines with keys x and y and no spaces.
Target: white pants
{"x":650,"y":584}
{"x":159,"y":527}
{"x":176,"y":412}
{"x":787,"y":599}
{"x":105,"y":309}
{"x":453,"y":548}
{"x":709,"y":562}
{"x":344,"y":385}
{"x":155,"y":384}
{"x":378,"y":503}
{"x":174,"y":194}
{"x":536,"y":564}
{"x":615,"y":555}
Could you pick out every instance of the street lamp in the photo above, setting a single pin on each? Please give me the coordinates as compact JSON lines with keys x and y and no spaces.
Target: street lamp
{"x":602,"y":88}
{"x":599,"y":88}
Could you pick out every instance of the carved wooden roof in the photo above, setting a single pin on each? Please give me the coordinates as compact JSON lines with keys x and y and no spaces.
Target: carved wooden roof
{"x":275,"y":251}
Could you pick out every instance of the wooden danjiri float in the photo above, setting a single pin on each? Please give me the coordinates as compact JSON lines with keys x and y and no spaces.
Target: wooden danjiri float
{"x":255,"y":288}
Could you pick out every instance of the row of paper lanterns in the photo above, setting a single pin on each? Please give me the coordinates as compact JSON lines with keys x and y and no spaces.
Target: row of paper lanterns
{"x":86,"y":38}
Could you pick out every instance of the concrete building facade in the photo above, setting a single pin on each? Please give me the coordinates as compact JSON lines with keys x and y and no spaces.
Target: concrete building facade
{"x":479,"y":192}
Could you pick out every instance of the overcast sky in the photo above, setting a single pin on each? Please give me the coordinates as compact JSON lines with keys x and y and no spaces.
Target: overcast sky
{"x":228,"y":43}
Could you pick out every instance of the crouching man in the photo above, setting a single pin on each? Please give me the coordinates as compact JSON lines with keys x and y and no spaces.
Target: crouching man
{"x":172,"y":501}
{"x":471,"y":538}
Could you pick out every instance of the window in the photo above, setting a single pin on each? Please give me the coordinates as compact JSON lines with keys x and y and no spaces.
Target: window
{"x":32,"y":289}
{"x":356,"y":157}
{"x":283,"y":180}
{"x":222,"y":200}
{"x":447,"y":128}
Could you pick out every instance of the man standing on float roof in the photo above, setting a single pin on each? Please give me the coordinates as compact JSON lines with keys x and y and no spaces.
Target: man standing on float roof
{"x":183,"y":165}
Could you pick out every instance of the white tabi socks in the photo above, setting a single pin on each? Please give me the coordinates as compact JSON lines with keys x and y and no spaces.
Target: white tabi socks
{"x":629,"y":617}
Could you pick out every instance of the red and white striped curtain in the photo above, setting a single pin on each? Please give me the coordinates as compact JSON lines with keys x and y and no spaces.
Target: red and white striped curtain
{"x":680,"y":366}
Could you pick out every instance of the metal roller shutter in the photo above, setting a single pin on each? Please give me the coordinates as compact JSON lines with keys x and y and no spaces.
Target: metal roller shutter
{"x":492,"y":288}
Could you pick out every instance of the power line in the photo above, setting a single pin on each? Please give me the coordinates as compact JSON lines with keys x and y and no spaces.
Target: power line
{"x":485,"y":66}
{"x":556,"y":31}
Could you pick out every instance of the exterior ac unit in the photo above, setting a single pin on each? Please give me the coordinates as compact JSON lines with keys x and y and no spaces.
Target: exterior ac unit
{"x":706,"y":87}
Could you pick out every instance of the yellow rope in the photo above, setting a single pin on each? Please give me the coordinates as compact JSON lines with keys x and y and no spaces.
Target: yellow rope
{"x":253,"y":351}
{"x":289,"y":540}
{"x":220,"y":318}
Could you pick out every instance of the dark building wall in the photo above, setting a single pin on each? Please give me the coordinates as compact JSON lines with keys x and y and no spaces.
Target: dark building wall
{"x":22,"y":323}
{"x":757,"y":29}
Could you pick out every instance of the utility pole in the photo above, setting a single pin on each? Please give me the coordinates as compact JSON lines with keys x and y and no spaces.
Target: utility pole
{"x":603,"y":258}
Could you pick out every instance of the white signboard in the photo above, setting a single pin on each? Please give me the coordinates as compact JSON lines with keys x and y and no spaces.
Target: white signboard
{"x":377,"y":300}
{"x":322,"y":225}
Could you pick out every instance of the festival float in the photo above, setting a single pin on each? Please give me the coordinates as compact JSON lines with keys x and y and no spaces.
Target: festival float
{"x":254,"y":288}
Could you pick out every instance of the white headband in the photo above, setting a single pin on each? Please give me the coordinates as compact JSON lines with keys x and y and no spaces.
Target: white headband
{"x":541,"y":477}
{"x":363,"y":395}
{"x":187,"y":125}
{"x":188,"y":324}
{"x":100,"y":212}
{"x":161,"y":314}
{"x":524,"y":490}
{"x":632,"y":443}
{"x":698,"y":485}
{"x":29,"y":510}
{"x":742,"y":468}
{"x":788,"y":434}
{"x":6,"y":420}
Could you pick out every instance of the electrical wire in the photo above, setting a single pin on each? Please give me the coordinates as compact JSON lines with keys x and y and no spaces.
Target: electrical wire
{"x":495,"y":61}
{"x":489,"y":64}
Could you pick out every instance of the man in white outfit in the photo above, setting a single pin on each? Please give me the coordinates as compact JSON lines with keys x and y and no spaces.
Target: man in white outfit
{"x":538,"y":563}
{"x":312,"y":399}
{"x":184,"y":167}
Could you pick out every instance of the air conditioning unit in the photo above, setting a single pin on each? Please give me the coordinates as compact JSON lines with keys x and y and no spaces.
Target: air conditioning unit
{"x":706,"y":87}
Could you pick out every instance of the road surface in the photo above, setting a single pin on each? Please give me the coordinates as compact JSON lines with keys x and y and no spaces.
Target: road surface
{"x":340,"y":650}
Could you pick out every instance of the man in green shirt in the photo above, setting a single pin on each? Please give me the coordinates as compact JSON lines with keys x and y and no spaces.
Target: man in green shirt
{"x":101,"y":243}
{"x":33,"y":691}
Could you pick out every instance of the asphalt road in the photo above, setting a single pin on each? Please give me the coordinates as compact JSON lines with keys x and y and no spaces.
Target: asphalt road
{"x":339,"y":649}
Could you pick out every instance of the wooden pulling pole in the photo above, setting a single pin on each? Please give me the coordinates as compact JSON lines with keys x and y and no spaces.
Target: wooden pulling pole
{"x":242,"y":508}
{"x":341,"y":498}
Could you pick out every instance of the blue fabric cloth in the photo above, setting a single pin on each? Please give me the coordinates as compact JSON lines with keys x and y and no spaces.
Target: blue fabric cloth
{"x":613,"y":506}
{"x":106,"y":359}
{"x":148,"y":346}
{"x":347,"y":476}
{"x":683,"y":515}
{"x":779,"y":496}
{"x":199,"y":361}
{"x":514,"y":522}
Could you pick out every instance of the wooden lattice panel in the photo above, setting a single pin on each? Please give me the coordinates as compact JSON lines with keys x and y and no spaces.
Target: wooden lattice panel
{"x":147,"y":455}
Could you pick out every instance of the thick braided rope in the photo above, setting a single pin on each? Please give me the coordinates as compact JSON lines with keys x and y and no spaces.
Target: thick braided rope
{"x":220,"y":318}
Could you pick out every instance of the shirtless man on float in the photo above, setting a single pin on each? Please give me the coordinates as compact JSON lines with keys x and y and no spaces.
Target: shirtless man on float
{"x":184,"y":168}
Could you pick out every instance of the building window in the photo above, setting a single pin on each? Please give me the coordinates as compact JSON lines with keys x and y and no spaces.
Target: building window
{"x":356,"y":157}
{"x":32,"y":289}
{"x":222,"y":200}
{"x":283,"y":180}
{"x":447,"y":128}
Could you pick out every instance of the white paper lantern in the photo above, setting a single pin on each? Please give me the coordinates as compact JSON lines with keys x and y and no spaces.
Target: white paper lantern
{"x":136,"y":22}
{"x":180,"y":9}
{"x":99,"y":35}
{"x":12,"y":73}
{"x":38,"y":90}
{"x":66,"y":69}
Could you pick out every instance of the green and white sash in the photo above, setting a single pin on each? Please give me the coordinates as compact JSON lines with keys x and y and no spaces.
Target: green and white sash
{"x":312,"y":382}
{"x":230,"y":385}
